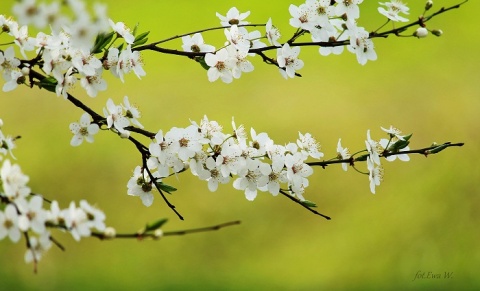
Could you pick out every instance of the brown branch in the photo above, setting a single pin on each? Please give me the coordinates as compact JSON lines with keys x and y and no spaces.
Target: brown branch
{"x":421,"y":21}
{"x":166,"y":233}
{"x":193,"y":32}
{"x":423,"y":151}
{"x":294,"y":199}
{"x":153,"y":46}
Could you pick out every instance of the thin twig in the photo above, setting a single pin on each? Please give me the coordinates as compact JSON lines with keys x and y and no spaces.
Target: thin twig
{"x":420,"y":21}
{"x":167,"y":233}
{"x":193,"y":32}
{"x":294,"y":199}
{"x":153,"y":180}
{"x":396,"y":31}
{"x":201,"y":229}
{"x":423,"y":151}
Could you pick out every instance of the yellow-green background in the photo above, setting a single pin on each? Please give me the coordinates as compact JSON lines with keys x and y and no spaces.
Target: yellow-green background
{"x":424,"y":216}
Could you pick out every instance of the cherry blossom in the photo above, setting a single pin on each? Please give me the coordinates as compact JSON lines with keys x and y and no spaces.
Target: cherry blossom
{"x":288,"y":61}
{"x":233,"y":17}
{"x":196,"y":44}
{"x":221,"y":64}
{"x":83,"y":130}
{"x":272,"y":33}
{"x":394,"y":7}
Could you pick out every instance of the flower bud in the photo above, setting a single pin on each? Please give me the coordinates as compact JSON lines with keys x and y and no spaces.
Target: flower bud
{"x":109,"y":232}
{"x":25,"y":71}
{"x":125,"y":134}
{"x":428,"y":5}
{"x":21,"y":80}
{"x":1,"y":122}
{"x":421,"y":32}
{"x":437,"y":32}
{"x":158,"y":233}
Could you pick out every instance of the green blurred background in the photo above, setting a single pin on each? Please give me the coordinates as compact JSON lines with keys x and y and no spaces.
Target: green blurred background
{"x":422,"y":219}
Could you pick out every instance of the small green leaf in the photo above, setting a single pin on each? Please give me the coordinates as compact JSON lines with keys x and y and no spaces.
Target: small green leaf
{"x":155,"y":225}
{"x":362,"y":158}
{"x":135,"y":29}
{"x":108,"y":39}
{"x":308,"y":203}
{"x":407,"y":137}
{"x":201,"y":60}
{"x":120,"y":47}
{"x":48,"y":83}
{"x":102,"y":40}
{"x":400,"y":144}
{"x":139,"y":42}
{"x":141,"y":36}
{"x":167,"y":188}
{"x":99,"y":38}
{"x":438,"y":148}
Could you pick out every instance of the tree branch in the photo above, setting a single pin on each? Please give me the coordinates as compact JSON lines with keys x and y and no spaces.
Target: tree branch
{"x":296,"y":200}
{"x":166,"y":233}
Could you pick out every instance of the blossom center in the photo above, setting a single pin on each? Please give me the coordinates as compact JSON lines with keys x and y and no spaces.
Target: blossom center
{"x":214,"y":173}
{"x":195,"y":48}
{"x":303,"y":18}
{"x":83,"y":131}
{"x":183,"y":142}
{"x":296,"y":168}
{"x":220,"y":66}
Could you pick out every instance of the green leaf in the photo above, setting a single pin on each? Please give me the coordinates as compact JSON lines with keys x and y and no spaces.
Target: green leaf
{"x":141,"y":36}
{"x":164,"y":187}
{"x":135,"y":29}
{"x":102,"y":40}
{"x":201,"y":60}
{"x":98,"y":40}
{"x":139,"y":42}
{"x":140,"y":39}
{"x":308,"y":203}
{"x":407,"y":137}
{"x":48,"y":83}
{"x":438,"y":148}
{"x":400,"y":144}
{"x":362,"y":158}
{"x":155,"y":225}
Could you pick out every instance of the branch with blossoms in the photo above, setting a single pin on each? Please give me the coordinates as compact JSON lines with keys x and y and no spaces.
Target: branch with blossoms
{"x":81,"y":47}
{"x":23,"y":213}
{"x":209,"y":153}
{"x":330,"y":27}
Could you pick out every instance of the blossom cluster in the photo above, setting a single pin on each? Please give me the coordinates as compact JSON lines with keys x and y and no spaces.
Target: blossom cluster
{"x":394,"y":144}
{"x":25,"y":213}
{"x":254,"y":162}
{"x":214,"y":156}
{"x":324,"y":20}
{"x":117,"y":117}
{"x":70,"y":52}
{"x":80,"y":48}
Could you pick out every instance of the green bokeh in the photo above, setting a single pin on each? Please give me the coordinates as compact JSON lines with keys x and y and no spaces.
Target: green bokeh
{"x":422,"y":219}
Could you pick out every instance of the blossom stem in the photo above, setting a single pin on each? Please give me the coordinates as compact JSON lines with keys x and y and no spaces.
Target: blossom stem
{"x":296,"y":200}
{"x":168,"y":233}
{"x":396,"y":31}
{"x":193,"y":32}
{"x":388,"y":20}
{"x":423,"y":151}
{"x":29,"y":246}
{"x":420,"y":21}
{"x":57,"y":243}
{"x":152,"y":178}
